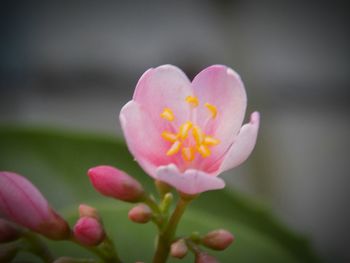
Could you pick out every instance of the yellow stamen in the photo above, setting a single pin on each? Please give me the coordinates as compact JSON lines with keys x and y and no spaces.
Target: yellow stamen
{"x":212,"y":109}
{"x":167,"y":114}
{"x":204,"y":151}
{"x":192,"y":100}
{"x":184,"y":129}
{"x":174,"y":148}
{"x":208,"y":140}
{"x":188,"y":153}
{"x":197,"y":135}
{"x":169,"y":136}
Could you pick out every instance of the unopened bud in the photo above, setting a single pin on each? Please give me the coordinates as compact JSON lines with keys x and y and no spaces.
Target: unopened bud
{"x":85,"y":210}
{"x":202,"y":257}
{"x":9,"y":231}
{"x":112,"y":182}
{"x":218,"y":239}
{"x":23,"y":204}
{"x":140,"y":214}
{"x":89,"y":231}
{"x":179,"y":249}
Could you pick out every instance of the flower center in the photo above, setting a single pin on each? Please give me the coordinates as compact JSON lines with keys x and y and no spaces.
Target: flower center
{"x":189,"y":138}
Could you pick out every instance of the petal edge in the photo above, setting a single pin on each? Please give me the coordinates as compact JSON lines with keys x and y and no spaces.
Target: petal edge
{"x":243,"y":144}
{"x":191,"y":181}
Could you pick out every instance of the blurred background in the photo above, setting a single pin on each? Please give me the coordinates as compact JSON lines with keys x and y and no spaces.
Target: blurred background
{"x":72,"y":65}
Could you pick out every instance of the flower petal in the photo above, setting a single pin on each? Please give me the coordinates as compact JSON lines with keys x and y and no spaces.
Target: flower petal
{"x":243,"y":145}
{"x":221,"y":87}
{"x":164,"y":87}
{"x":190,"y":182}
{"x":144,"y":140}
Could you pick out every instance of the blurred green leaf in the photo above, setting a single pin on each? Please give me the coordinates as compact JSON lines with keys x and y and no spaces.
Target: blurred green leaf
{"x":56,"y":162}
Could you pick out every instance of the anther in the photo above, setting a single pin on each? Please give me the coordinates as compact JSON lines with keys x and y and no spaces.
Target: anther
{"x":184,"y":129}
{"x":208,"y":140}
{"x":204,"y":151}
{"x":175,"y":147}
{"x":197,"y":135}
{"x":168,"y":136}
{"x":167,"y":114}
{"x":213,"y":110}
{"x":188,"y":153}
{"x":192,"y":100}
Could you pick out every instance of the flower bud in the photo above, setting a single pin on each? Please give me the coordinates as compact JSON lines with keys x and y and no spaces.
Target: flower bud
{"x":85,"y":210}
{"x":23,"y":204}
{"x":8,"y":231}
{"x":89,"y":231}
{"x":202,"y":257}
{"x":112,"y":182}
{"x":218,"y":239}
{"x":140,"y":214}
{"x":179,"y":249}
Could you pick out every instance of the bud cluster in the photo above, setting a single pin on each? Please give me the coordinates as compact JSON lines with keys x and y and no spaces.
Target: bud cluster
{"x":89,"y":229}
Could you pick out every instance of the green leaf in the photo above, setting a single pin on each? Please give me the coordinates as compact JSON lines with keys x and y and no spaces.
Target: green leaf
{"x":57,"y":162}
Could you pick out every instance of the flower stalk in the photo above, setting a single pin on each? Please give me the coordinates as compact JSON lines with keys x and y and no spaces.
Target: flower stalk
{"x":106,"y":251}
{"x":35,"y":245}
{"x":166,"y":236}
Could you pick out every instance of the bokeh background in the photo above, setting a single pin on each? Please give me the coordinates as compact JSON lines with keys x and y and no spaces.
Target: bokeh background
{"x":73,"y":64}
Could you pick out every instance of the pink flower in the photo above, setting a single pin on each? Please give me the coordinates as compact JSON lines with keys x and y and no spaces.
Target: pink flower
{"x":186,"y":134}
{"x":23,"y":204}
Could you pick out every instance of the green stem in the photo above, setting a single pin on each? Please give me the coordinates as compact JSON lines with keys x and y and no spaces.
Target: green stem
{"x":157,"y":214}
{"x":35,"y":245}
{"x":151,"y":203}
{"x":105,"y":251}
{"x":166,"y":236}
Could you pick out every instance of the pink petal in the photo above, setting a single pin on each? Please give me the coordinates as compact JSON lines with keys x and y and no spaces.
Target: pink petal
{"x":143,"y":139}
{"x":190,"y":182}
{"x":164,"y":87}
{"x":223,"y":88}
{"x":243,"y":145}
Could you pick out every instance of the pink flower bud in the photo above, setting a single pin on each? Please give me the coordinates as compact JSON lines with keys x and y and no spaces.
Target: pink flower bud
{"x":179,"y":249}
{"x":112,"y":182}
{"x":85,"y":210}
{"x":218,"y":239}
{"x":140,"y":214}
{"x":89,"y":231}
{"x":23,"y":204}
{"x":8,"y":231}
{"x":202,"y":257}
